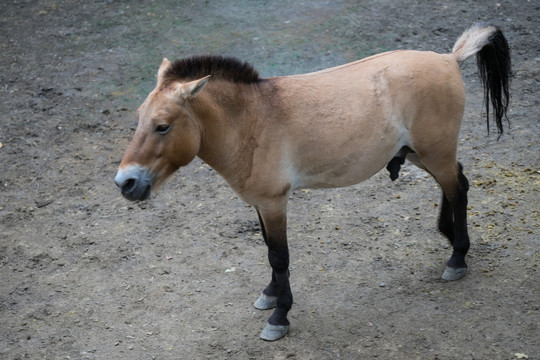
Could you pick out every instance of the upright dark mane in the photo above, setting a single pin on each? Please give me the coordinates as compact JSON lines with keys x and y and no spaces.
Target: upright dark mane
{"x":219,"y":67}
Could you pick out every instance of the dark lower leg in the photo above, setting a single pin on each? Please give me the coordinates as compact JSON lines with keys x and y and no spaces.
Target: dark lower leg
{"x":279,"y":260}
{"x":461,"y":237}
{"x":446,"y":219}
{"x":275,"y":236}
{"x":271,"y":289}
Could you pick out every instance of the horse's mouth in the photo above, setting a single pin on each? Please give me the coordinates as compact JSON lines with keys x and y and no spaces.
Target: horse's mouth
{"x":140,"y":193}
{"x":146,"y":193}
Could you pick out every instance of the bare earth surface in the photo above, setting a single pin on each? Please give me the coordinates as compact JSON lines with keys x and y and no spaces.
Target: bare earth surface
{"x":87,"y":275}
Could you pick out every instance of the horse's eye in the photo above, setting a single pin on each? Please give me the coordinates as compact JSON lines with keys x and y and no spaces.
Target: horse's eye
{"x":162,"y":129}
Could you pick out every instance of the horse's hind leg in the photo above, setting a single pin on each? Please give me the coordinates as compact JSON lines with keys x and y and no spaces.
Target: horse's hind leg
{"x":446,"y":218}
{"x":453,"y":215}
{"x":455,"y":205}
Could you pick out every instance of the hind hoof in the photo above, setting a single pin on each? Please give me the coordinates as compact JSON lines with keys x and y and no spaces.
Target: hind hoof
{"x":452,"y":274}
{"x":265,"y":302}
{"x":274,"y":332}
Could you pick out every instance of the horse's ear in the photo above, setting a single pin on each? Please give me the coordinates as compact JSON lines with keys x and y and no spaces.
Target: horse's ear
{"x":165,"y":65}
{"x":192,"y":88}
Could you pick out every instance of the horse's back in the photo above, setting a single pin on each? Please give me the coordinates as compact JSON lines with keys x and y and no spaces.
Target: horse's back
{"x":384,"y":88}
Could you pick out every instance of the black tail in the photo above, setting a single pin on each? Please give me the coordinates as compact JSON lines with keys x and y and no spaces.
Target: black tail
{"x":495,"y":70}
{"x":493,"y":58}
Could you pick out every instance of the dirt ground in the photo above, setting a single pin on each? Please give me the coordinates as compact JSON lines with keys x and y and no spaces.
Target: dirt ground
{"x":87,"y":275}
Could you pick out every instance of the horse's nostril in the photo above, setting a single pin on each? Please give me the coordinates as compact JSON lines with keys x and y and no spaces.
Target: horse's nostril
{"x":129,"y":185}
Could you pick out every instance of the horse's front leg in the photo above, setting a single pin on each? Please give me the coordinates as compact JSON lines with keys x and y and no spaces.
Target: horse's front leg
{"x":278,"y":293}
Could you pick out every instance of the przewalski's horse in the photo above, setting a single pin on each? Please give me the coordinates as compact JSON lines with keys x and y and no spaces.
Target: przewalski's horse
{"x":331,"y":128}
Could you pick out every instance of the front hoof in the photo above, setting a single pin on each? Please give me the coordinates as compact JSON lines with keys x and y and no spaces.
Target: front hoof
{"x":274,"y":332}
{"x":452,"y":274}
{"x":265,"y":302}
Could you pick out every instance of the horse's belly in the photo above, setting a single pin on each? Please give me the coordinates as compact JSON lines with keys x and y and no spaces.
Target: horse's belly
{"x":334,"y":176}
{"x":326,"y":169}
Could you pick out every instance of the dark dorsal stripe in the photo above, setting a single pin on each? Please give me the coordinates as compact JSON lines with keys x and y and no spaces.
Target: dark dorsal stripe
{"x":219,"y":67}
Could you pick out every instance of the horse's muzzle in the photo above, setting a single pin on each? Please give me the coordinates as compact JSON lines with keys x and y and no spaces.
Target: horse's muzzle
{"x":135,"y":182}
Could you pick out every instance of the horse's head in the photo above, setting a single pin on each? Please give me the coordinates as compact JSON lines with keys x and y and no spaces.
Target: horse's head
{"x":168,"y":136}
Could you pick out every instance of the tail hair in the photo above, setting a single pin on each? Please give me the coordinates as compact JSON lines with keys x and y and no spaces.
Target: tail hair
{"x":494,"y":66}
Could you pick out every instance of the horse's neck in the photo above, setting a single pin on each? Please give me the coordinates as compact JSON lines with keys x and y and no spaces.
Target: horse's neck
{"x":230,"y":118}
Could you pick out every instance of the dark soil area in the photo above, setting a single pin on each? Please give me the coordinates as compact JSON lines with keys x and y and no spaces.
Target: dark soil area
{"x":84,"y":274}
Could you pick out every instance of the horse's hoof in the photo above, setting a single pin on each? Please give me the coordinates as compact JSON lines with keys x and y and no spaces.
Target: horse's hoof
{"x":265,"y":302}
{"x":453,"y":273}
{"x":274,"y":332}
